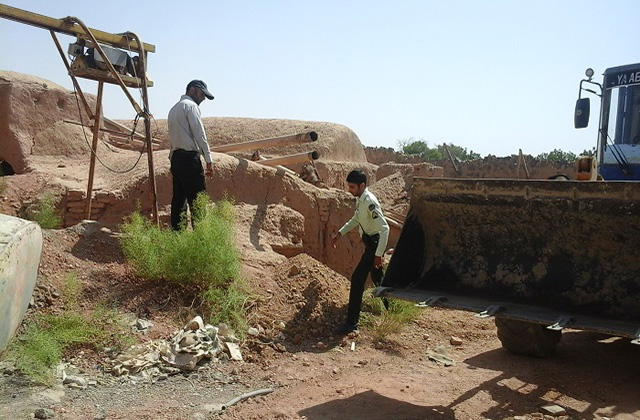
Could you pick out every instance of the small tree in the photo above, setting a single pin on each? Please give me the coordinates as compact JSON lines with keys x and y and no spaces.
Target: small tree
{"x":591,"y":152}
{"x":558,"y":156}
{"x":421,"y":148}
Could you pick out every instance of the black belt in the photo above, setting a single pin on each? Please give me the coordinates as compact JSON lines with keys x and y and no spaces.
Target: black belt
{"x":185,"y":151}
{"x":370,"y":239}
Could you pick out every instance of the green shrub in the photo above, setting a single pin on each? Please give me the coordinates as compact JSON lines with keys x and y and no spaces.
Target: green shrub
{"x":44,"y":212}
{"x":381,"y":322}
{"x":205,"y":255}
{"x":228,"y":305}
{"x":40,"y":347}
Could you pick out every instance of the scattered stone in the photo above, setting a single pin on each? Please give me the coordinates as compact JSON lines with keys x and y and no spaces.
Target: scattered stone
{"x":336,"y":371}
{"x":297,"y":339}
{"x":321,"y":345}
{"x":441,"y":356}
{"x":363,"y":362}
{"x":163,"y":377}
{"x":100,"y":415}
{"x":294,"y":270}
{"x":455,"y":341}
{"x":223,"y":329}
{"x":142,"y":325}
{"x":426,"y":336}
{"x":554,"y":410}
{"x":86,"y":227}
{"x":253,"y":331}
{"x":537,"y":415}
{"x":306,"y":364}
{"x":44,"y":413}
{"x":75,"y":380}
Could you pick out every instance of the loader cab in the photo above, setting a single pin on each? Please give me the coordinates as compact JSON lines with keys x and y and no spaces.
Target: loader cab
{"x":618,"y":151}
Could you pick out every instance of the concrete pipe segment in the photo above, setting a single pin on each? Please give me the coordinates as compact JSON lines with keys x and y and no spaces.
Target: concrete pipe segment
{"x":20,"y":251}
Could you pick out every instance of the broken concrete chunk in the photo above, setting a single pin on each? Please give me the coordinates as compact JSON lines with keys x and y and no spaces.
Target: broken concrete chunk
{"x":195,"y":324}
{"x":234,"y":351}
{"x":553,"y":410}
{"x":455,"y":341}
{"x":142,"y":325}
{"x":72,"y":379}
{"x":441,"y":356}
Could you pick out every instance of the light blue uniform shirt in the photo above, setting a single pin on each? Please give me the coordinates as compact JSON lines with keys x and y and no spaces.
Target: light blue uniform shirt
{"x":369,"y":217}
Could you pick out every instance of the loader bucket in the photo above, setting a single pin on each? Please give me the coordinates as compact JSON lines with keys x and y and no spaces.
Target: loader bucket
{"x":564,"y":245}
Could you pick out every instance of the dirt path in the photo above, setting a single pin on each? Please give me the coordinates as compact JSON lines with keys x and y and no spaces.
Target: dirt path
{"x":591,"y":377}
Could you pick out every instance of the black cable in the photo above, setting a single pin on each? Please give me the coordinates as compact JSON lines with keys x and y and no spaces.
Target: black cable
{"x":91,"y":148}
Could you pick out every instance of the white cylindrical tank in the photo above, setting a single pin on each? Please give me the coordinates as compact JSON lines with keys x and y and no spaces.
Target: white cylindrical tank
{"x":20,"y":252}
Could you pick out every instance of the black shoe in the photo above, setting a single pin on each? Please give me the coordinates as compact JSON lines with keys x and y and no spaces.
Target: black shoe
{"x":345,"y":329}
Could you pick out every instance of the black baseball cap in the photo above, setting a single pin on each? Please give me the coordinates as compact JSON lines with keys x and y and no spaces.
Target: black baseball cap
{"x":202,"y":86}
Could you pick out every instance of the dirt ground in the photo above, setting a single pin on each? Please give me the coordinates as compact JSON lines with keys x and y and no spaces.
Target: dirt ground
{"x":296,"y":300}
{"x":315,"y":375}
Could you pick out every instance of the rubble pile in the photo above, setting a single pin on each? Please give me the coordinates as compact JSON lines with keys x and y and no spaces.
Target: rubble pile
{"x":197,"y":341}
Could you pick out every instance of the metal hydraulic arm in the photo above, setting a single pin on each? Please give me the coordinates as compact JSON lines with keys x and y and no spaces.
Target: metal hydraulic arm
{"x":127,"y":41}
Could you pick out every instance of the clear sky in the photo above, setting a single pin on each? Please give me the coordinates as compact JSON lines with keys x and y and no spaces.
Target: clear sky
{"x":491,"y":76}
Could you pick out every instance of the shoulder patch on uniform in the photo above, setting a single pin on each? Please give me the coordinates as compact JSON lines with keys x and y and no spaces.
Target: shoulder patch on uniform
{"x":372,"y":206}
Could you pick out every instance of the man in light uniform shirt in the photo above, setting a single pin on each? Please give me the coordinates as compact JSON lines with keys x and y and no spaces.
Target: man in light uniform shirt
{"x":188,"y":141}
{"x":375,"y":233}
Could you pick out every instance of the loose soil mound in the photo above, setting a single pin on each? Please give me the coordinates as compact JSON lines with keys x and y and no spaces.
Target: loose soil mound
{"x":302,"y":298}
{"x":32,"y":114}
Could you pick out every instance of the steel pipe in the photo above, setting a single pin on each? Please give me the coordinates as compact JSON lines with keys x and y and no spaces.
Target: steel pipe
{"x":286,"y":160}
{"x":266,"y":143}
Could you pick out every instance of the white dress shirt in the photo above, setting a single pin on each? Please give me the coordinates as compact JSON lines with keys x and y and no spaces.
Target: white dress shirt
{"x":186,"y":131}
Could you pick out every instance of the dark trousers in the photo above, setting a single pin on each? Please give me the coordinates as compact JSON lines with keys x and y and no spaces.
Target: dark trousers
{"x":188,"y":181}
{"x":359,"y":277}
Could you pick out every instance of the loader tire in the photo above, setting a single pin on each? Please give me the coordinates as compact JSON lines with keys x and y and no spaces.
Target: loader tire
{"x":527,"y":338}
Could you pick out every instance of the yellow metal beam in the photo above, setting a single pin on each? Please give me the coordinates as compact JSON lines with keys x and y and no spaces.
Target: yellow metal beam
{"x":69,"y":28}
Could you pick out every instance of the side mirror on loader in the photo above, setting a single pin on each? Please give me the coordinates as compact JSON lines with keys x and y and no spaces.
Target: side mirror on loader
{"x":581,"y":116}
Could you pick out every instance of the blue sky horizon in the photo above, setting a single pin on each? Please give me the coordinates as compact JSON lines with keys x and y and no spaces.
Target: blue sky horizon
{"x":493,"y":76}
